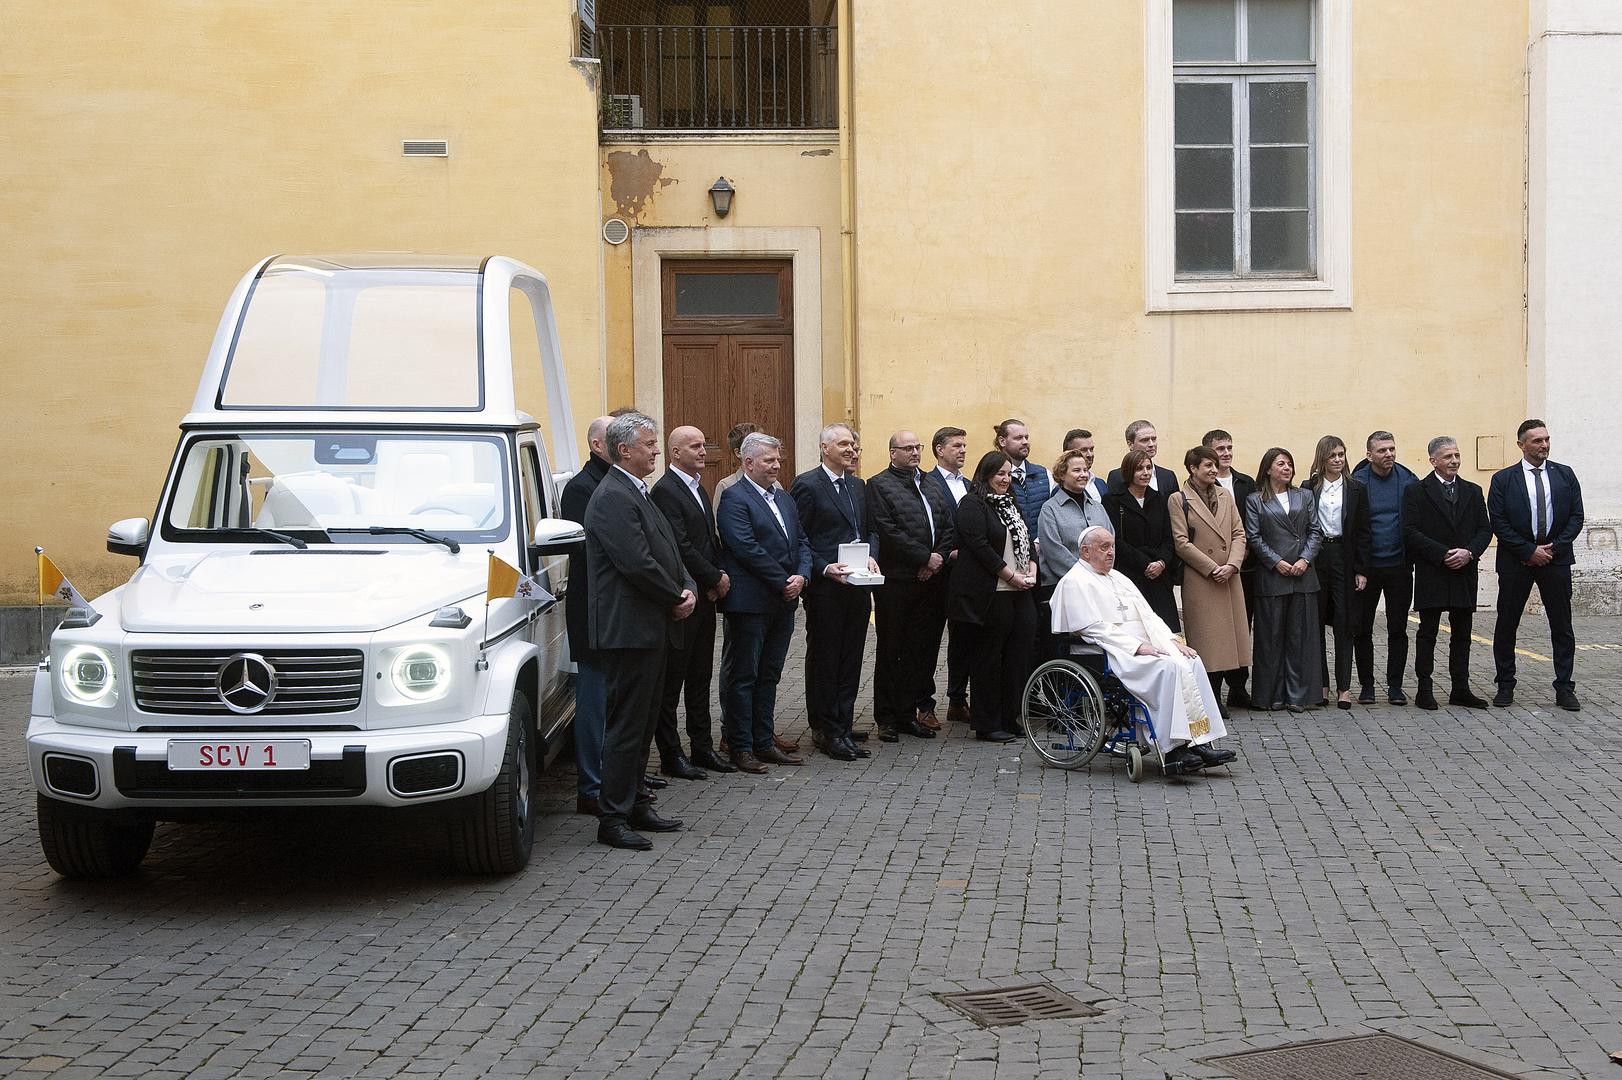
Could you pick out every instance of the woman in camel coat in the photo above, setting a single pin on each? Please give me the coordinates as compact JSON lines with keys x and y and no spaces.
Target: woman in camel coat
{"x":1208,"y":533}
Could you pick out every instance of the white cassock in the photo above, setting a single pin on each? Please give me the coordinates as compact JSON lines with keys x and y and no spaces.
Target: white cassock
{"x":1108,"y":611}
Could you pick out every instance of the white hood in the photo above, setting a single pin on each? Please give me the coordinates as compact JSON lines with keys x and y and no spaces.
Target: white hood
{"x":287,"y":591}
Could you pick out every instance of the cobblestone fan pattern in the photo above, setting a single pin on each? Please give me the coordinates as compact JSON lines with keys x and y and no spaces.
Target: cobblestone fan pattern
{"x":1451,"y":877}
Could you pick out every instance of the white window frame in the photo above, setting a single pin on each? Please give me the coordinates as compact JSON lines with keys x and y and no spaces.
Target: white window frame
{"x":1331,"y":286}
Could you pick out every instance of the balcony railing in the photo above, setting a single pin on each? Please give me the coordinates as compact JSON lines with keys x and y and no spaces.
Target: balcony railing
{"x":718,"y":78}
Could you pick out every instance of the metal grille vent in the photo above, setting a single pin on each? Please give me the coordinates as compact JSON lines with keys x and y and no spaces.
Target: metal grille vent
{"x":425,"y":148}
{"x":615,"y":231}
{"x":1355,"y":1058}
{"x":1017,"y":1004}
{"x":307,"y":681}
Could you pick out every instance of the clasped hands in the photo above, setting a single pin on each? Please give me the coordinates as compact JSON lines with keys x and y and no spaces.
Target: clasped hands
{"x":1288,"y":569}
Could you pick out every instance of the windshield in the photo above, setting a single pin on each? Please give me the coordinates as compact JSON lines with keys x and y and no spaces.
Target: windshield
{"x":328,"y":487}
{"x":323,"y":334}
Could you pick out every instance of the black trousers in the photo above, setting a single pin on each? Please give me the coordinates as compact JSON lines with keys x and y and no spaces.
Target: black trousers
{"x":1002,"y":661}
{"x":1396,"y":584}
{"x":688,"y":672}
{"x":1239,"y":676}
{"x":1340,"y":610}
{"x":904,"y":616}
{"x":835,"y":635}
{"x":934,"y":631}
{"x":1554,"y":589}
{"x":1459,"y":621}
{"x":635,"y":684}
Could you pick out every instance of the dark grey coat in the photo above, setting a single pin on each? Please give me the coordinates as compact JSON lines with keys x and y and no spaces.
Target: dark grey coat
{"x":1276,"y":537}
{"x":636,"y":570}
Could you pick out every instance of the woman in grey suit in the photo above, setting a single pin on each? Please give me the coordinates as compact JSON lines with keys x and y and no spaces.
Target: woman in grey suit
{"x":1281,"y":525}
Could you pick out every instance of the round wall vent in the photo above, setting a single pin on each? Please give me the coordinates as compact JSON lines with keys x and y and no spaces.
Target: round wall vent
{"x":615,"y":231}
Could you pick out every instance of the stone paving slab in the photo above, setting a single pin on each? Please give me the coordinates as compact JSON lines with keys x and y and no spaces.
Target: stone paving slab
{"x":1451,"y":877}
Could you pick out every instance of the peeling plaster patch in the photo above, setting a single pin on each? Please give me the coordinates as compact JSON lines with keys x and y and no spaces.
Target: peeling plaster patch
{"x":815,"y":153}
{"x":634,"y":179}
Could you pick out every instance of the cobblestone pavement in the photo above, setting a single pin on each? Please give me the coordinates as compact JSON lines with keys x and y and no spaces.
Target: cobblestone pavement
{"x":1453,"y":877}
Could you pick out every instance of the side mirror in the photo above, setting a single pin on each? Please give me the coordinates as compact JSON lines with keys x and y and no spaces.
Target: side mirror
{"x":558,"y":536}
{"x":128,"y":537}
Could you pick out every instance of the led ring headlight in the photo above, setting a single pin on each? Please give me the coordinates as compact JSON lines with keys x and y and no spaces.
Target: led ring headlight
{"x":421,"y":672}
{"x":87,"y":674}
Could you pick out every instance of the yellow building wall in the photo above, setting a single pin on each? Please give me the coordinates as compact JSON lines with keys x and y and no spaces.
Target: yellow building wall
{"x":665,"y":184}
{"x":154,"y":152}
{"x":1000,"y":241}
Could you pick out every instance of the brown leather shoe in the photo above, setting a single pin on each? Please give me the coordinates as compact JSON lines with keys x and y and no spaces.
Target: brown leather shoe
{"x":957,"y":714}
{"x":928,"y":718}
{"x":585,"y":804}
{"x":788,"y":746}
{"x":749,"y":763}
{"x":773,"y":756}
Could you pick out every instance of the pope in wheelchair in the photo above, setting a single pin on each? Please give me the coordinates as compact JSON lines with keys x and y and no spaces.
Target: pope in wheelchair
{"x":1099,"y":605}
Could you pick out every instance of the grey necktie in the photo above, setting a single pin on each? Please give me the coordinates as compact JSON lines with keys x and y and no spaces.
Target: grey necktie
{"x":1447,"y":489}
{"x":1542,"y":529}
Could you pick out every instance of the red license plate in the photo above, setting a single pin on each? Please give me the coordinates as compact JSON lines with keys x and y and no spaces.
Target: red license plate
{"x":220,"y":755}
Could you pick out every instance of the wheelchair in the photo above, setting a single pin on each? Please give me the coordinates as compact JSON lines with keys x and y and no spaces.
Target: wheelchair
{"x":1075,"y":708}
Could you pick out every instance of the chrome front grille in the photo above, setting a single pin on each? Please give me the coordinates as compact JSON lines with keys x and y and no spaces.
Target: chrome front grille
{"x":307,"y":681}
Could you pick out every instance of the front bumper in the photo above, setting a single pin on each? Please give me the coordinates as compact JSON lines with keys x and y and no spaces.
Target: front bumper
{"x":347,"y":768}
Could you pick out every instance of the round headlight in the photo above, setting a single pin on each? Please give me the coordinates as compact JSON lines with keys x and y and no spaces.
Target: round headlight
{"x":422,"y":672}
{"x":87,"y":674}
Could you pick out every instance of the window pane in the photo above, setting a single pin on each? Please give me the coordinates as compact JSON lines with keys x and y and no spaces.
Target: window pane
{"x":1203,"y":30}
{"x":1205,"y":243}
{"x":1205,"y":113}
{"x":1278,"y":112}
{"x":726,"y":294}
{"x":1205,"y":179}
{"x":1280,"y":29}
{"x":1278,"y":177}
{"x":1279,"y":242}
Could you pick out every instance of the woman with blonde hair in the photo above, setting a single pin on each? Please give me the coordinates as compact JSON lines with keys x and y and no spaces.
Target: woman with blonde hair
{"x":1343,"y":564}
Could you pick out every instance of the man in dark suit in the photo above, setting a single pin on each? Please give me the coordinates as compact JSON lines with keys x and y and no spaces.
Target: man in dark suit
{"x":1445,"y":528}
{"x":1141,"y":435}
{"x":950,"y":445}
{"x":832,"y":506}
{"x":914,"y":525}
{"x":640,"y":597}
{"x":1536,"y":508}
{"x":1241,"y":486}
{"x":688,"y":667}
{"x":766,"y":555}
{"x":590,"y":686}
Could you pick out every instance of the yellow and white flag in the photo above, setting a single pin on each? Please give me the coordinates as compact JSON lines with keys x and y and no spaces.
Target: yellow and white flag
{"x":507,"y":581}
{"x":54,"y":585}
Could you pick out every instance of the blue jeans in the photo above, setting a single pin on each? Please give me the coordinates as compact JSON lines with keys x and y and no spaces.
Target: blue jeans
{"x":758,"y":645}
{"x":590,"y":716}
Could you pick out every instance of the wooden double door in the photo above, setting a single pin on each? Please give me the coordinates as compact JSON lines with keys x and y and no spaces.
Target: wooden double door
{"x":729,"y":353}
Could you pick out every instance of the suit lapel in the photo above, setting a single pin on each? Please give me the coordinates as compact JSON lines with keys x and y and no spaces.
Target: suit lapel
{"x":846,"y":506}
{"x":1198,"y":506}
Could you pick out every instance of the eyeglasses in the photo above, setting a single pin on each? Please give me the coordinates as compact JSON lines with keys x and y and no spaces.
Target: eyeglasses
{"x":912,"y":449}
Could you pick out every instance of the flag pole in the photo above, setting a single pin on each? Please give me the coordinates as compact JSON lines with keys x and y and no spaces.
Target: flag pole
{"x":482,"y":664}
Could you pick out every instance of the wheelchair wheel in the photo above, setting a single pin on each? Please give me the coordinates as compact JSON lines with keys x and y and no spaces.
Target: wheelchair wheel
{"x":1135,"y":765}
{"x":1064,"y":714}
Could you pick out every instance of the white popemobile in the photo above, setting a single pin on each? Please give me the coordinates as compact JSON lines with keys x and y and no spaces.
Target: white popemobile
{"x":308,"y":625}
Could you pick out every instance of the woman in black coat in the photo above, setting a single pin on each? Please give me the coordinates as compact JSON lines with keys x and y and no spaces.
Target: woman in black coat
{"x":1141,"y":518}
{"x":1343,"y":561}
{"x":991,"y":595}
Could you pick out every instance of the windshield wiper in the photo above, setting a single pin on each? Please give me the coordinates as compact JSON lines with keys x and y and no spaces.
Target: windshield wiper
{"x":401,"y":530}
{"x":272,"y":534}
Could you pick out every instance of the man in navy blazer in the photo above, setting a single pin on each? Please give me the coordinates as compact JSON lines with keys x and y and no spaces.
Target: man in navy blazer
{"x":1536,"y":509}
{"x":1031,"y":486}
{"x":833,"y":510}
{"x":766,"y":555}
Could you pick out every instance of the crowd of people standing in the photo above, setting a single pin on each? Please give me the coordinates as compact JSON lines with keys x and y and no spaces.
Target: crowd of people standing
{"x":1275,"y":576}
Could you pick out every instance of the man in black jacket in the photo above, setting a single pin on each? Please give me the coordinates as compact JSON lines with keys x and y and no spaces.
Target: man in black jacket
{"x":640,"y":596}
{"x":689,"y":666}
{"x":1536,"y":508}
{"x":1445,"y":527}
{"x":914,"y":527}
{"x":590,"y":690}
{"x":833,"y":510}
{"x":1240,"y":486}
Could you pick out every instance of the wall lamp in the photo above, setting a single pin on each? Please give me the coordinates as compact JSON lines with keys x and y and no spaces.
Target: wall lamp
{"x":721,"y":193}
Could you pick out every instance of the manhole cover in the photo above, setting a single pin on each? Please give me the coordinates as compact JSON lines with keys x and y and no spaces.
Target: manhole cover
{"x":1361,"y":1057}
{"x":1017,"y":1004}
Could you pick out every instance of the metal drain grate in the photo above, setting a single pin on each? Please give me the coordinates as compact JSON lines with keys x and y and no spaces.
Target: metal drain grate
{"x":1357,"y":1058}
{"x":1017,"y":1004}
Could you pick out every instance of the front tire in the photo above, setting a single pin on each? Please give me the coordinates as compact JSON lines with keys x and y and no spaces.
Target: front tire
{"x":84,"y":843}
{"x":497,"y":830}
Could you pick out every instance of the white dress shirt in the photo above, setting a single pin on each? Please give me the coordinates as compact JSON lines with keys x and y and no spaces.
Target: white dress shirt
{"x":637,"y":480}
{"x":771,"y":502}
{"x":1545,"y":527}
{"x":956,"y":483}
{"x":692,"y":485}
{"x":918,"y":483}
{"x":1331,"y":494}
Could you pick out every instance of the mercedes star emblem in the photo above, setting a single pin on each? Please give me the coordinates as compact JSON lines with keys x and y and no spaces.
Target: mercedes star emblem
{"x":246,"y":683}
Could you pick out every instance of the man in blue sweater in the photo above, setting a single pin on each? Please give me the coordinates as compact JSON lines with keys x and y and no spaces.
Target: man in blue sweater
{"x":1391,"y":572}
{"x":1031,"y":486}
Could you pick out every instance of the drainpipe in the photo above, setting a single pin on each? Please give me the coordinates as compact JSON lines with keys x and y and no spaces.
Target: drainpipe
{"x":847,"y":211}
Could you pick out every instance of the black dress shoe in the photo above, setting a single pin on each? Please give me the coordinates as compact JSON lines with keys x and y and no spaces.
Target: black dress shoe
{"x":706,"y":758}
{"x":914,"y":728}
{"x":1213,"y":756}
{"x":835,"y":748}
{"x":682,"y":769}
{"x":1184,"y":759}
{"x":1504,"y":698}
{"x":1465,"y":698}
{"x":1365,"y":696}
{"x":621,"y":836}
{"x":857,"y":750}
{"x":858,"y":736}
{"x":1238,"y":698}
{"x":1567,"y":700}
{"x":651,"y":781}
{"x":648,"y":820}
{"x":1426,"y":700}
{"x":1396,"y":696}
{"x":995,"y":736}
{"x":888,"y":734}
{"x":645,"y":794}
